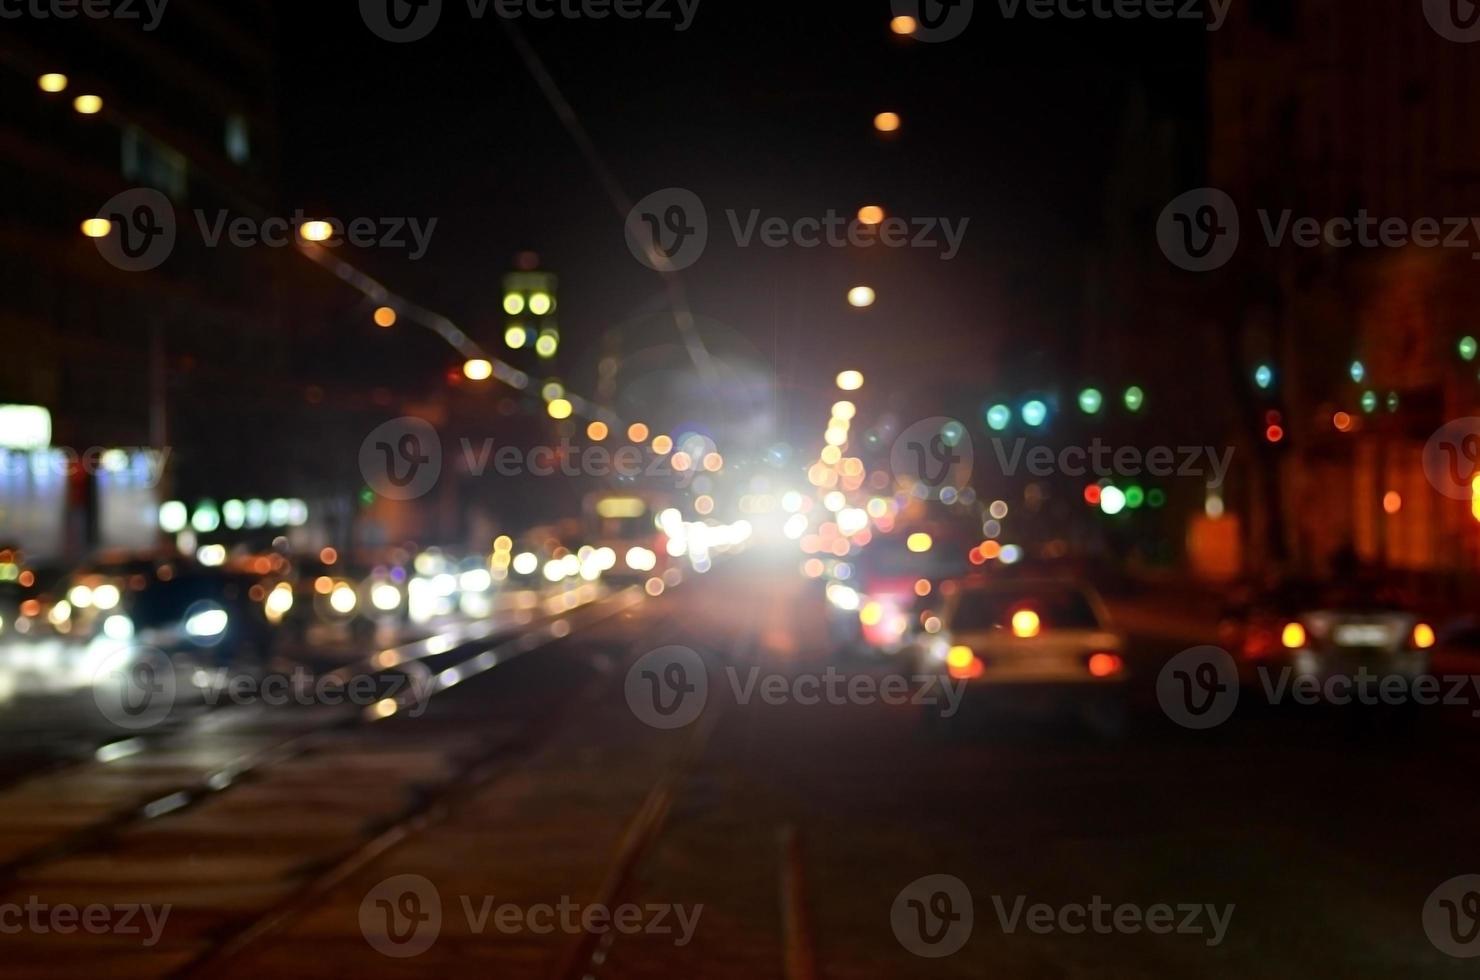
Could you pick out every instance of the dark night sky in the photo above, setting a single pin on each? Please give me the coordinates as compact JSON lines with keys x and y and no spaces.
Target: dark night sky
{"x":755,"y":106}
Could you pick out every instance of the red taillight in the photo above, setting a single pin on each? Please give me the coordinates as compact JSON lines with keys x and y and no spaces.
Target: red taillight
{"x":1105,"y":664}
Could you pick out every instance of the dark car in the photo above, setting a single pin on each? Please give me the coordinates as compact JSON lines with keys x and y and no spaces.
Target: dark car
{"x":215,"y":618}
{"x":1322,"y":630}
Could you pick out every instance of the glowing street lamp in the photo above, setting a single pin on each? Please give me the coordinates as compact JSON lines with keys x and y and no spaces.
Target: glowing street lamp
{"x":560,"y":408}
{"x":97,"y":227}
{"x":871,"y":214}
{"x":385,"y":317}
{"x":478,"y":369}
{"x":850,"y":380}
{"x":316,"y":231}
{"x":861,"y":297}
{"x":887,"y":122}
{"x":88,"y":105}
{"x":53,"y":82}
{"x":903,"y":25}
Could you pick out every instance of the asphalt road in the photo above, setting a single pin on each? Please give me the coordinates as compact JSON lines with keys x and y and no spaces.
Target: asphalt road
{"x":539,"y":819}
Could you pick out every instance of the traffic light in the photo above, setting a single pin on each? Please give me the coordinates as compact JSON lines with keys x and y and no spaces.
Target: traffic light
{"x":530,"y":303}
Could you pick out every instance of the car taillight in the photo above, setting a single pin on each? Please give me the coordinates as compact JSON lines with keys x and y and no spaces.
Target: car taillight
{"x":1423,"y":636}
{"x":1105,"y":664}
{"x":1293,"y":636}
{"x":962,"y":664}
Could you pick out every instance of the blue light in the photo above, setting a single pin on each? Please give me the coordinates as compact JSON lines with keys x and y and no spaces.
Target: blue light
{"x":1034,"y":413}
{"x":1358,"y":371}
{"x":999,"y":417}
{"x":1264,"y":376}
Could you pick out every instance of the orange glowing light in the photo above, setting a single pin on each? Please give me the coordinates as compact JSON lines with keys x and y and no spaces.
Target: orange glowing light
{"x":385,"y":317}
{"x":1104,"y":664}
{"x":871,"y":214}
{"x":1025,"y":624}
{"x":328,"y":556}
{"x":637,"y":432}
{"x":597,"y":431}
{"x":904,"y":25}
{"x":1423,"y":636}
{"x":1392,"y":502}
{"x":959,"y":657}
{"x":1342,"y":421}
{"x":887,"y":122}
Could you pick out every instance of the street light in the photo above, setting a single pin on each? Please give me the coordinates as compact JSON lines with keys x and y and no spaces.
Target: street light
{"x":871,"y":214}
{"x":887,"y":122}
{"x":850,"y":380}
{"x":560,"y":408}
{"x":516,"y":337}
{"x":97,"y":227}
{"x":53,"y":82}
{"x":861,"y":297}
{"x":903,"y":25}
{"x":88,"y":105}
{"x":316,"y":231}
{"x":385,"y":317}
{"x":478,"y":369}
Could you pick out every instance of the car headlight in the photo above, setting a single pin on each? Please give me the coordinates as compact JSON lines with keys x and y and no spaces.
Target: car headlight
{"x":118,"y":627}
{"x":278,"y":601}
{"x":385,"y":597}
{"x":206,"y":623}
{"x":343,"y":599}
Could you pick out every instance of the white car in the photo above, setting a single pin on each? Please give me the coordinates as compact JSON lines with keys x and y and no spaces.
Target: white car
{"x":1026,"y":644}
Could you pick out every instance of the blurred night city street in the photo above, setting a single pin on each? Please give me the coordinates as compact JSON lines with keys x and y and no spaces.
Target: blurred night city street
{"x":584,"y":489}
